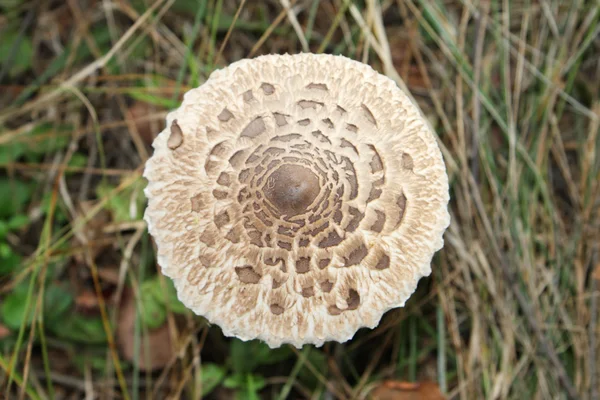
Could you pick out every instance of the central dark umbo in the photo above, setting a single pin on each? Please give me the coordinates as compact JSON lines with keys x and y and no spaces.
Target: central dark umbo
{"x":292,"y":189}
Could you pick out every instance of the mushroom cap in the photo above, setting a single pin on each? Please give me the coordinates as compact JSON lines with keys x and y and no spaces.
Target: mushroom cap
{"x":296,"y":198}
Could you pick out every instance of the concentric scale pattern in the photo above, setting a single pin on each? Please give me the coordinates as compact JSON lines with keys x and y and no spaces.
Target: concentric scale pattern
{"x":296,"y":198}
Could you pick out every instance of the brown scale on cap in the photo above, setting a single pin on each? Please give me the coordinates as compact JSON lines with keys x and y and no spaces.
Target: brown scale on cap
{"x":307,"y":201}
{"x":176,"y":137}
{"x":247,"y":274}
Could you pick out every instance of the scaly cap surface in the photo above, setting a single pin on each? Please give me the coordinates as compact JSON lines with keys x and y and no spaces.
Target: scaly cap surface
{"x":296,"y":198}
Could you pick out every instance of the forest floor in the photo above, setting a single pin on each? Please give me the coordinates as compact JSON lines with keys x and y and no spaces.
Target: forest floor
{"x":510,"y":311}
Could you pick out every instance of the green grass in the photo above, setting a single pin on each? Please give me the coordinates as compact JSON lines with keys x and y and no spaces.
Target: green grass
{"x":512,"y":89}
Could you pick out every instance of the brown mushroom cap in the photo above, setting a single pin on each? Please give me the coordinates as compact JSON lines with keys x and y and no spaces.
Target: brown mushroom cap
{"x":295,"y":199}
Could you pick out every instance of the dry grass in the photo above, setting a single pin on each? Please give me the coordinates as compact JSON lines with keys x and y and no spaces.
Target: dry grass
{"x":512,"y":89}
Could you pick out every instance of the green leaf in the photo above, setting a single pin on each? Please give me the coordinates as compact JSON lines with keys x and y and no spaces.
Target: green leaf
{"x":242,"y":356}
{"x":13,"y":308}
{"x":15,"y":194}
{"x":175,"y":305}
{"x":154,"y":300}
{"x":120,"y":204}
{"x":318,"y":359}
{"x":20,"y":57}
{"x":9,"y":260}
{"x":17,"y":221}
{"x":57,"y":301}
{"x":10,"y":152}
{"x":248,"y":385}
{"x":245,"y":357}
{"x":77,"y":328}
{"x":78,"y":160}
{"x":254,"y":383}
{"x":153,"y":312}
{"x":3,"y":231}
{"x":166,"y":295}
{"x":234,"y":381}
{"x":212,"y":376}
{"x":5,"y":249}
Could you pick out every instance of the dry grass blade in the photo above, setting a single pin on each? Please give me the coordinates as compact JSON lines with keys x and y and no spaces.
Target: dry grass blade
{"x":228,"y":34}
{"x":294,"y":21}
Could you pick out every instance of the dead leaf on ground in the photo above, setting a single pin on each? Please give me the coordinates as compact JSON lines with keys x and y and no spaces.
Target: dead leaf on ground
{"x":399,"y":390}
{"x":148,"y":129}
{"x":86,"y":300}
{"x":4,"y":332}
{"x":109,"y":274}
{"x":158,"y":341}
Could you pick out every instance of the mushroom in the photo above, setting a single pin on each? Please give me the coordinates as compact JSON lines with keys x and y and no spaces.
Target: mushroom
{"x":296,"y":198}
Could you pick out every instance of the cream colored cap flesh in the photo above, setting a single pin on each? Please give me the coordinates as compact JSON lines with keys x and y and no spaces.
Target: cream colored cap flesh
{"x":296,"y":199}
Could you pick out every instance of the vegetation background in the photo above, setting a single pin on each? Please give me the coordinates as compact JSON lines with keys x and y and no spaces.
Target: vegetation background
{"x":510,"y":311}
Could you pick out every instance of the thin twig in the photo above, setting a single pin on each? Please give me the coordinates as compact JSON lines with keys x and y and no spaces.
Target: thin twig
{"x":267,"y":33}
{"x":228,"y":34}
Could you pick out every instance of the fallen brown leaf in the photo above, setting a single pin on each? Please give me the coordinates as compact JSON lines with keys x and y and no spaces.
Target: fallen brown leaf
{"x":147,"y":129}
{"x":399,"y":390}
{"x":109,"y":274}
{"x":4,"y":332}
{"x":86,"y":300}
{"x":158,"y":341}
